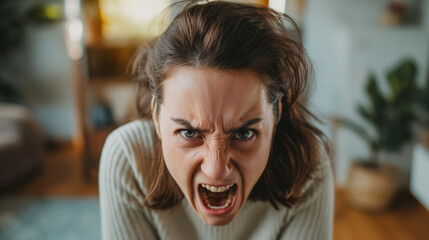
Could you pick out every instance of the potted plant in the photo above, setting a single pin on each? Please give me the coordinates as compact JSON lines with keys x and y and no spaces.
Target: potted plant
{"x":372,"y":184}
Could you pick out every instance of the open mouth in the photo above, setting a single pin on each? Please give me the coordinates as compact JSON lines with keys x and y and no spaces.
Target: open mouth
{"x":217,"y":198}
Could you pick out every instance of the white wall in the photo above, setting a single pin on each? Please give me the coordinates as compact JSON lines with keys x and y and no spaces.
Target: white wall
{"x":50,"y":88}
{"x":345,"y":43}
{"x":419,"y":175}
{"x":49,"y":82}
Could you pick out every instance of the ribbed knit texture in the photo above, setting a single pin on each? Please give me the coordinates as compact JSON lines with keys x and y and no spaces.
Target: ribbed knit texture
{"x":127,"y":152}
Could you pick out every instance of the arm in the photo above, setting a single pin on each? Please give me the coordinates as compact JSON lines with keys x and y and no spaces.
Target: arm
{"x":122,"y":214}
{"x":313,"y":218}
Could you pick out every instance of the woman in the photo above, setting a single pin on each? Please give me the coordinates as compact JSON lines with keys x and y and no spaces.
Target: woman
{"x":225,"y":148}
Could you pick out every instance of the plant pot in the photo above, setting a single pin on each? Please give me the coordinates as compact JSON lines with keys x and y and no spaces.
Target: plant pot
{"x":371,"y":187}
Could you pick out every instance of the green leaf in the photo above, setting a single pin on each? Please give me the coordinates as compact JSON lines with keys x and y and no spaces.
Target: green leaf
{"x":356,"y":128}
{"x":391,"y":115}
{"x":376,"y":98}
{"x":402,"y":78}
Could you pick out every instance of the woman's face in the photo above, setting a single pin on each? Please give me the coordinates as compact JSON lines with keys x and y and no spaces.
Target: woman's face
{"x":216,"y":128}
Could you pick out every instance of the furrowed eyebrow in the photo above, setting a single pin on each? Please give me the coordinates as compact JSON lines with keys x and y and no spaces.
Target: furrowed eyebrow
{"x":188,"y":125}
{"x":245,"y":125}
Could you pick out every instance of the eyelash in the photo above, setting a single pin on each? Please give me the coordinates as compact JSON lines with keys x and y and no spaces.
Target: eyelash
{"x":254,"y":131}
{"x":179,"y":131}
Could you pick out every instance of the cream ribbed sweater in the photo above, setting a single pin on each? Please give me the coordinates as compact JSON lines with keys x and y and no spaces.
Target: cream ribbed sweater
{"x":126,"y":153}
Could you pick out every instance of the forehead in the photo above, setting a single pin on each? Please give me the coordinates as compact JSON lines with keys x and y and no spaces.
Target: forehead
{"x":206,"y":93}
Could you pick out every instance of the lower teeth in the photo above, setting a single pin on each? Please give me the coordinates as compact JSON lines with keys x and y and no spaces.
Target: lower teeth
{"x":227,"y":203}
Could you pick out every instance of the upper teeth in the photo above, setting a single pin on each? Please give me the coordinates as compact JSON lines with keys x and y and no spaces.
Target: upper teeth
{"x":216,"y":189}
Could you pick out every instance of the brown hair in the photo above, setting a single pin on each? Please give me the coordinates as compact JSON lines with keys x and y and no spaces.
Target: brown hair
{"x":233,"y":36}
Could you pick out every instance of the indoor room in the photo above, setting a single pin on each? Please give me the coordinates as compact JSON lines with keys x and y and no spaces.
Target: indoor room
{"x":73,"y":72}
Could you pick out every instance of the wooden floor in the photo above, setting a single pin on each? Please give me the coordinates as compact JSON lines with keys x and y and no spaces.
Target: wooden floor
{"x":62,"y":175}
{"x":406,"y":220}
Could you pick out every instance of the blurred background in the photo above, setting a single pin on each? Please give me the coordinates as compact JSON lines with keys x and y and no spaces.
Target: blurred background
{"x":63,"y":89}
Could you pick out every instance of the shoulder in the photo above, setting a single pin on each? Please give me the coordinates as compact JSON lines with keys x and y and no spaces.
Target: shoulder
{"x":136,"y":139}
{"x":321,"y":183}
{"x":322,"y":171}
{"x":134,"y":132}
{"x":313,"y":215}
{"x":130,"y":148}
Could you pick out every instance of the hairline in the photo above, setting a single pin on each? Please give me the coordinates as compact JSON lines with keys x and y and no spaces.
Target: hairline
{"x":262,"y":78}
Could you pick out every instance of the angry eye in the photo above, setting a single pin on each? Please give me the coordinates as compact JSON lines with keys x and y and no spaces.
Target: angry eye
{"x":189,"y":133}
{"x":244,"y":134}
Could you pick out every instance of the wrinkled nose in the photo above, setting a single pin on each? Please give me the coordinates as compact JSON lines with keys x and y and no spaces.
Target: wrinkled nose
{"x":216,"y":164}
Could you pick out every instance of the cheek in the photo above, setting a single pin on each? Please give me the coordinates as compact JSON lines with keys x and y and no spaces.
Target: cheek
{"x":252,"y":163}
{"x":173,"y":157}
{"x":180,"y":161}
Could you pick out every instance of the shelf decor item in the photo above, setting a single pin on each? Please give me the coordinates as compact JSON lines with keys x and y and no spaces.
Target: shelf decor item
{"x":45,"y":13}
{"x":394,"y":13}
{"x":372,"y":183}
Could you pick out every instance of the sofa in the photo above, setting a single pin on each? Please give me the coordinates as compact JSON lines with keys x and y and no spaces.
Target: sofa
{"x":21,"y":145}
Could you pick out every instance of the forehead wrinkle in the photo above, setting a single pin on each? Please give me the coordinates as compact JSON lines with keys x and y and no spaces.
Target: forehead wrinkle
{"x":194,"y":109}
{"x":208,"y":107}
{"x":232,"y":119}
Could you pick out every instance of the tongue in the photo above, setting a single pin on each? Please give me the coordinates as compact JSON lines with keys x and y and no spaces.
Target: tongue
{"x":217,"y":199}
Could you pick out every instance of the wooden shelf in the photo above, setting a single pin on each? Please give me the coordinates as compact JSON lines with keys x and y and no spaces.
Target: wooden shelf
{"x":107,"y":63}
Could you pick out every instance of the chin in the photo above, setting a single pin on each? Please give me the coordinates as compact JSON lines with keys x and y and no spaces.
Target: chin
{"x":217,"y":221}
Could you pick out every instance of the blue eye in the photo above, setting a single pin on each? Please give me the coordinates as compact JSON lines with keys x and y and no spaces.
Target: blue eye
{"x":244,"y":134}
{"x":189,"y":133}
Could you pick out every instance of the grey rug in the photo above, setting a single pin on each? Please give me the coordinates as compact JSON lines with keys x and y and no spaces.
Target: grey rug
{"x":49,"y":218}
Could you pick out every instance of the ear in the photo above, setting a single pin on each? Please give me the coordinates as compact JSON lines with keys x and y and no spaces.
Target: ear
{"x":155,"y":119}
{"x":280,"y":109}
